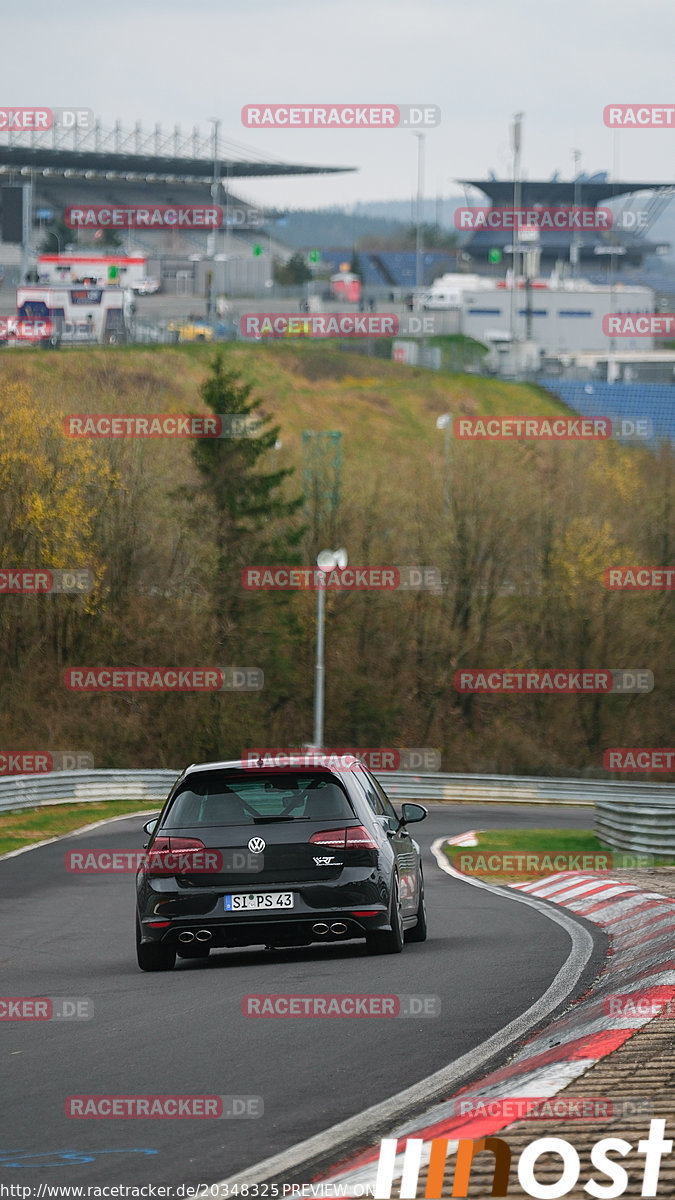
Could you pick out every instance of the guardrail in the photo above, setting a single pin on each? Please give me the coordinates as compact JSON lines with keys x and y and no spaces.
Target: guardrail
{"x":637,"y":824}
{"x":613,"y":800}
{"x":514,"y":789}
{"x":33,"y":791}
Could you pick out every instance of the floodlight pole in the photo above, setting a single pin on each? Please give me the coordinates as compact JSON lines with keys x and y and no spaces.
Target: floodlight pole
{"x":448,"y":435}
{"x":420,"y":191}
{"x":444,"y":422}
{"x":213,"y":237}
{"x":575,"y":242}
{"x":517,"y":121}
{"x":319,"y":667}
{"x":327,"y":560}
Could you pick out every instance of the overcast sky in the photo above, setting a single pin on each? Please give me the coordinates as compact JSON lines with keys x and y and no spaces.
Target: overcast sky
{"x":183,"y":61}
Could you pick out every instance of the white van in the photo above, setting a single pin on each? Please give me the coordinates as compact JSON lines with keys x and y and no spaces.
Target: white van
{"x":449,"y":290}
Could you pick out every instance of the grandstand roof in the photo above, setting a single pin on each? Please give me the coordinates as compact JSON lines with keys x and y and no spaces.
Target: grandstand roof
{"x":78,"y":161}
{"x":553,"y":191}
{"x":165,"y":156}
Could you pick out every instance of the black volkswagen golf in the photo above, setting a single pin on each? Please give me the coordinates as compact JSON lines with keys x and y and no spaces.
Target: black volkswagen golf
{"x":245,"y":855}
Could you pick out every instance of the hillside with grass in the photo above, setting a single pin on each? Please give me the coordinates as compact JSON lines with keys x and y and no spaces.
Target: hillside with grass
{"x":520,"y":532}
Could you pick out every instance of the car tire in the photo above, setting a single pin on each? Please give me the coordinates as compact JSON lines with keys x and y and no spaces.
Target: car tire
{"x":389,"y":941}
{"x":153,"y":956}
{"x":198,"y":951}
{"x":419,"y":932}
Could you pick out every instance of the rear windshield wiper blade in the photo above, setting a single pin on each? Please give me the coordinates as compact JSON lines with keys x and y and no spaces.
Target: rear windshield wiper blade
{"x":267,"y":820}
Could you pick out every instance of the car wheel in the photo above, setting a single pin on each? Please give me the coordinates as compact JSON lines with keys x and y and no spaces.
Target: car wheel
{"x":153,"y":956}
{"x":198,"y":951}
{"x":389,"y":941}
{"x":419,"y":932}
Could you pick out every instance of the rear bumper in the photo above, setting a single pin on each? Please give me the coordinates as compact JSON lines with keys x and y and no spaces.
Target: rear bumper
{"x":316,"y":903}
{"x":317,"y":906}
{"x":269,"y":930}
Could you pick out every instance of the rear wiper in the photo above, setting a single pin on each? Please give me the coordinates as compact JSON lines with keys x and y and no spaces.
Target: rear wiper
{"x":267,"y":820}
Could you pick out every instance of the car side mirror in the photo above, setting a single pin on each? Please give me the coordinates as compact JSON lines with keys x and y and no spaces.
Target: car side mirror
{"x":150,"y":826}
{"x":412,"y":812}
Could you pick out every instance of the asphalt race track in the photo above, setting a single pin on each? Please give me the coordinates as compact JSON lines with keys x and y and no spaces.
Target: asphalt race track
{"x":183,"y":1032}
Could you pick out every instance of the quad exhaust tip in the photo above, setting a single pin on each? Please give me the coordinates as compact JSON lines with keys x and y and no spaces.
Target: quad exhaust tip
{"x":203,"y":935}
{"x":321,"y":928}
{"x":186,"y":936}
{"x":338,"y":927}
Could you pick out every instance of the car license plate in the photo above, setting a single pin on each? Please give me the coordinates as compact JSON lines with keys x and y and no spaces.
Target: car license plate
{"x":258,"y":900}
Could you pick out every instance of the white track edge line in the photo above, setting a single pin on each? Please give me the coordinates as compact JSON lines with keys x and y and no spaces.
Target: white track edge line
{"x":395,"y":1107}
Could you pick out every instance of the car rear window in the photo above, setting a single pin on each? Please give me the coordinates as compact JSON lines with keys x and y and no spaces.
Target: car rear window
{"x":231,"y":798}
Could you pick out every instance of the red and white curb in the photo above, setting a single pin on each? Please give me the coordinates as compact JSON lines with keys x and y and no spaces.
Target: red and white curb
{"x":641,"y":925}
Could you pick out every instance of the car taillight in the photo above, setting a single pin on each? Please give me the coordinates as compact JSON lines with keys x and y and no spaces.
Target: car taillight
{"x":329,"y":837}
{"x":161,"y":860}
{"x":354,"y":838}
{"x":359,"y":838}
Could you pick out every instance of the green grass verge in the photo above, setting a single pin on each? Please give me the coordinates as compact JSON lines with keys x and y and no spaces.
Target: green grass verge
{"x":579,"y":846}
{"x":23,"y":827}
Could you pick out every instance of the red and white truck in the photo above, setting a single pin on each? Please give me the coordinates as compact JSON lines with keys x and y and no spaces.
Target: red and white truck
{"x":97,"y":270}
{"x":78,"y":314}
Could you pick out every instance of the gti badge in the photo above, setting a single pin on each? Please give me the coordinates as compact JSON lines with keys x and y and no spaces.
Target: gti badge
{"x":256,"y":845}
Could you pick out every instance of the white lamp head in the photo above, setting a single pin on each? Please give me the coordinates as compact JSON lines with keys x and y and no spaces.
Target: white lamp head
{"x":328,"y":559}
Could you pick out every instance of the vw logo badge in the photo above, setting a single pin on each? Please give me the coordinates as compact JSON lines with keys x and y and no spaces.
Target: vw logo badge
{"x":256,"y":845}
